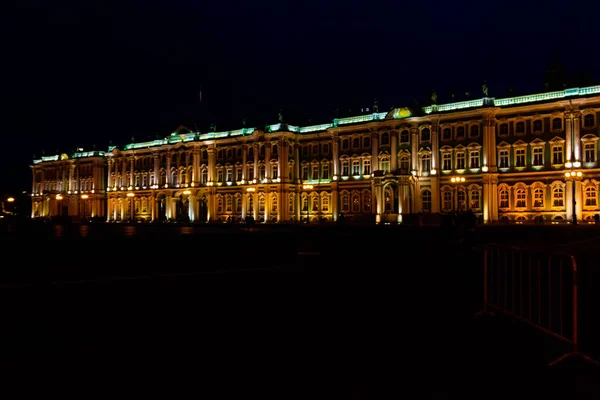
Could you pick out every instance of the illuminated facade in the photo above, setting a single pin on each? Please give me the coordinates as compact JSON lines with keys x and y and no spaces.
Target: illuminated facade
{"x":515,"y":159}
{"x":69,"y":186}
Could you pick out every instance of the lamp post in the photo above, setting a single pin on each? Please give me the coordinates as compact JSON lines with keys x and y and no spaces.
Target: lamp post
{"x":457,"y":180}
{"x":574,"y":176}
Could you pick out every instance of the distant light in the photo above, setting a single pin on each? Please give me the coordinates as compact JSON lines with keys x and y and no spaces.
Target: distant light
{"x":10,"y":199}
{"x":84,"y":196}
{"x":187,"y":192}
{"x":130,"y":194}
{"x":59,"y":197}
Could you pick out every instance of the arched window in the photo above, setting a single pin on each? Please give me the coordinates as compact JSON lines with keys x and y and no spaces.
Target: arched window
{"x":590,"y":196}
{"x":557,"y":124}
{"x":475,"y":199}
{"x":404,"y":136}
{"x":385,"y":139}
{"x":520,"y":127}
{"x":355,"y":203}
{"x":261,"y":203}
{"x":504,"y":201}
{"x":325,"y":203}
{"x":204,"y":176}
{"x":345,"y":200}
{"x":228,"y":203}
{"x":366,"y":198}
{"x":558,"y":196}
{"x":274,"y":203}
{"x":538,"y":197}
{"x":250,"y":203}
{"x":385,"y":164}
{"x":447,"y":200}
{"x":426,"y":135}
{"x":219,"y":204}
{"x":426,"y":200}
{"x":521,"y":198}
{"x":425,"y":162}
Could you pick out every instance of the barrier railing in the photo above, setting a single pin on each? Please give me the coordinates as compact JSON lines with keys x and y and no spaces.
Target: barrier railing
{"x":537,"y":287}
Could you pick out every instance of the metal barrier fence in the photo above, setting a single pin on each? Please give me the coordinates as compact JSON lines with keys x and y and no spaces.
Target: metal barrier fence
{"x":537,"y":287}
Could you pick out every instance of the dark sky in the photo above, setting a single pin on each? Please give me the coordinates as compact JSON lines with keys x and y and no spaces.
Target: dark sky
{"x":81,"y":73}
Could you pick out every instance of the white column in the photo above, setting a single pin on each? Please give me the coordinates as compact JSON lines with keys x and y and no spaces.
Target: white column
{"x":244,"y":160}
{"x":109,"y":178}
{"x":414,"y":144}
{"x":394,"y":152}
{"x":576,"y":135}
{"x":568,"y":137}
{"x":192,"y":211}
{"x":374,"y":152}
{"x":335,"y":141}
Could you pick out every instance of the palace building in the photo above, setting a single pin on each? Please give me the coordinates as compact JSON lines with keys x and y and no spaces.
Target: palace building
{"x":509,"y":159}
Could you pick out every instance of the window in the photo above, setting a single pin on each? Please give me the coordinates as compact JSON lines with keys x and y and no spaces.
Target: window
{"x":250,"y":204}
{"x":274,"y":149}
{"x":520,"y":158}
{"x":356,"y":143}
{"x":504,"y":130}
{"x":315,"y":149}
{"x":426,"y":200}
{"x":345,"y":168}
{"x":503,"y":158}
{"x":447,"y":200}
{"x":345,"y":144}
{"x":315,"y":172}
{"x":446,"y":161}
{"x":521,"y":198}
{"x":426,"y":163}
{"x":355,"y":203}
{"x":557,"y":155}
{"x":325,"y":203}
{"x":538,"y":197}
{"x":325,"y":149}
{"x":345,"y":200}
{"x":228,"y":201}
{"x":588,"y":121}
{"x":385,"y":138}
{"x":305,"y":172}
{"x":220,"y":175}
{"x":274,"y":171}
{"x":219,"y":204}
{"x":229,"y":174}
{"x":558,"y":195}
{"x":238,"y":174}
{"x":229,"y":154}
{"x":261,"y":203}
{"x":426,"y":135}
{"x":305,"y":203}
{"x":366,"y":142}
{"x":520,"y":128}
{"x":446,"y":134}
{"x":589,"y":152}
{"x":504,"y":198}
{"x":474,"y":159}
{"x":475,"y":199}
{"x":274,"y":203}
{"x":538,"y":156}
{"x":590,"y":196}
{"x":366,"y":197}
{"x":366,"y":167}
{"x":250,"y":173}
{"x":405,"y":162}
{"x":385,"y":164}
{"x":404,"y":136}
{"x":325,"y":171}
{"x":355,"y":167}
{"x":262,"y":172}
{"x":557,"y":124}
{"x":460,"y":160}
{"x":291,"y":202}
{"x":537,"y":125}
{"x":474,"y":131}
{"x":305,"y":151}
{"x":460,"y":132}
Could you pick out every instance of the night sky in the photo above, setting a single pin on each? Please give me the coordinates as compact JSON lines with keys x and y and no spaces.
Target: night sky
{"x":81,"y":73}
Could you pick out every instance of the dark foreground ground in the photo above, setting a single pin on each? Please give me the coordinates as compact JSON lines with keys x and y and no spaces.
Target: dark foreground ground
{"x":222,"y":312}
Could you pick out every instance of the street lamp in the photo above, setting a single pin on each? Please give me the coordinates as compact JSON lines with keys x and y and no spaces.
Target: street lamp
{"x":573,"y":176}
{"x":457,"y":180}
{"x":10,"y":199}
